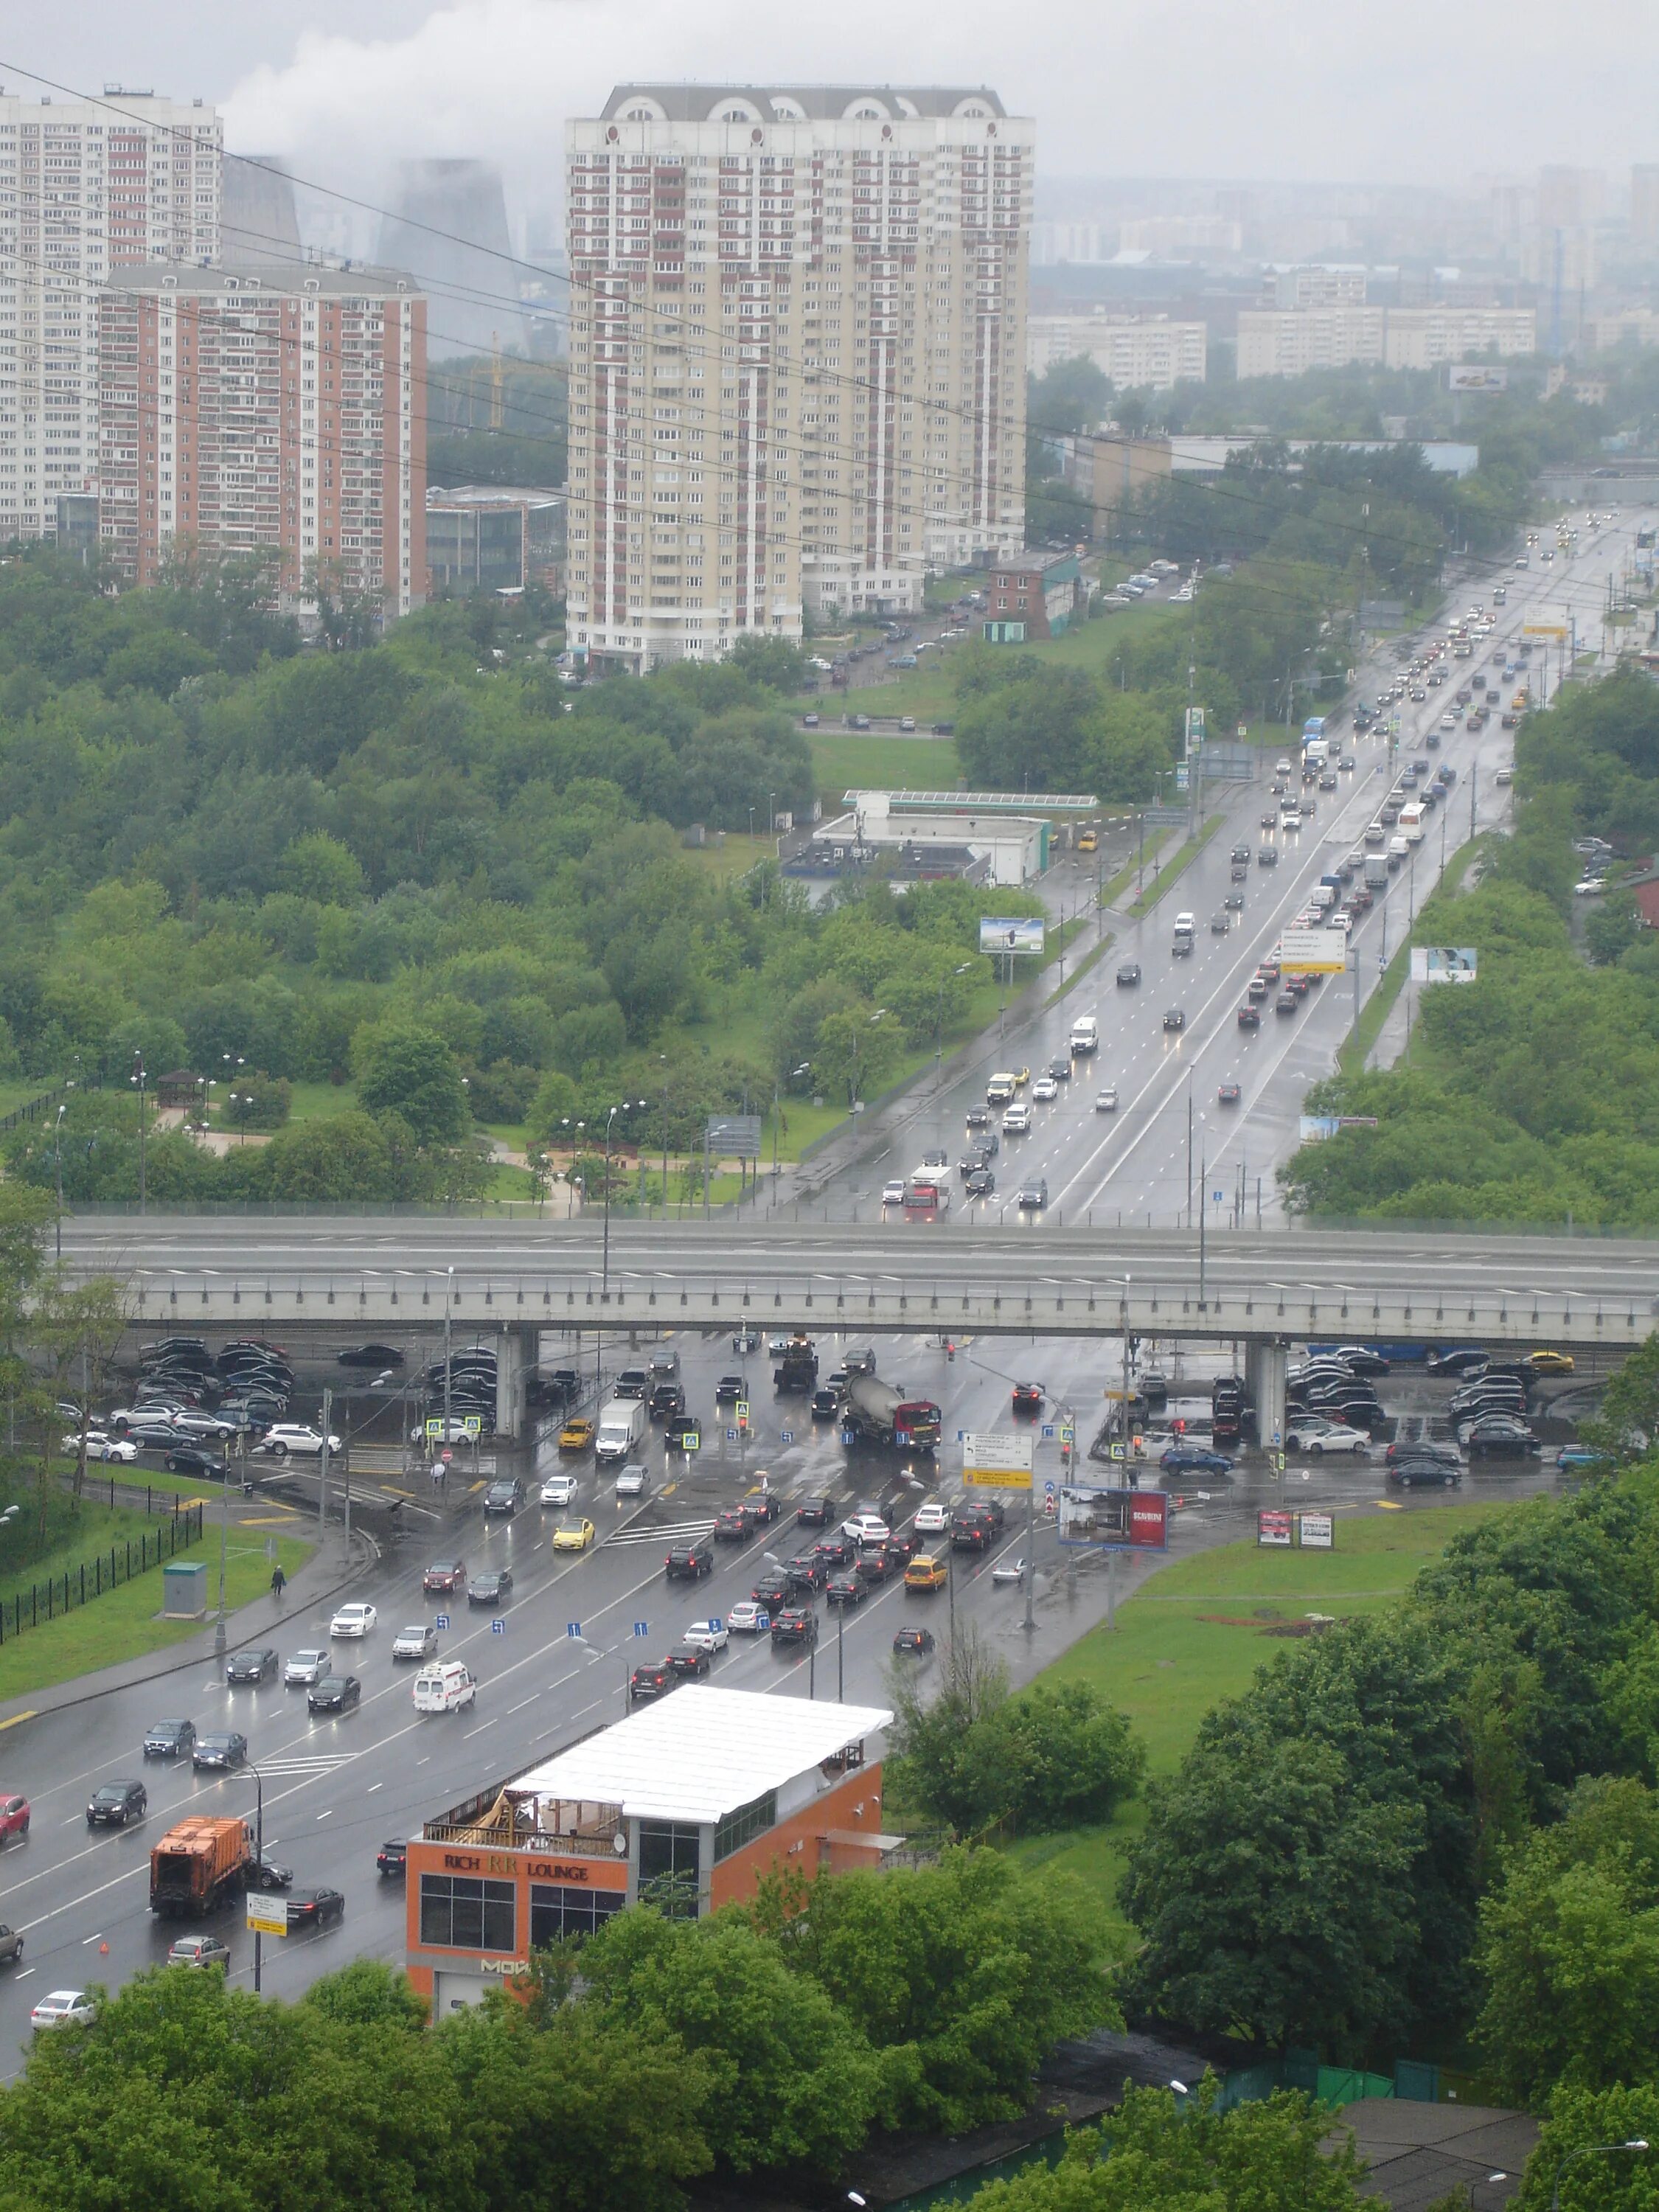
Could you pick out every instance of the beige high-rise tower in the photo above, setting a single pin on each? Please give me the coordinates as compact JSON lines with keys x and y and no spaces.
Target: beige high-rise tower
{"x":797,"y":356}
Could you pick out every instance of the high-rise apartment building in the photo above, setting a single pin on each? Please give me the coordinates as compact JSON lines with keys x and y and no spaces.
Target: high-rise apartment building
{"x":83,"y":187}
{"x":1316,"y":284}
{"x":267,"y":407}
{"x":797,"y":356}
{"x":1423,"y":338}
{"x":1291,"y":340}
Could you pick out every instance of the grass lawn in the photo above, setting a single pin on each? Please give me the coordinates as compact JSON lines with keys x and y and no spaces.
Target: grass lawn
{"x":100,"y":1474}
{"x":123,"y":1624}
{"x":1176,"y":865}
{"x":1196,"y":1632}
{"x":843,"y":760}
{"x":14,"y":1094}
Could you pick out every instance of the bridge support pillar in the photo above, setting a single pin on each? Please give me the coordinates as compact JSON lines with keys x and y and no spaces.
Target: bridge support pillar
{"x":1265,"y":1362}
{"x":515,"y":1355}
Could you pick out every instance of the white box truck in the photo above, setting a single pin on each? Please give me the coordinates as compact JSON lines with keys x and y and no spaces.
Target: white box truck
{"x":622,"y":1427}
{"x":1085,"y":1035}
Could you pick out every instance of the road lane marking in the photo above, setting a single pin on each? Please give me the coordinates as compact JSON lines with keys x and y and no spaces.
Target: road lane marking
{"x":13,"y":1722}
{"x":98,"y":1938}
{"x":372,"y":1787}
{"x":329,"y":1815}
{"x":481,"y":1726}
{"x":522,"y":1703}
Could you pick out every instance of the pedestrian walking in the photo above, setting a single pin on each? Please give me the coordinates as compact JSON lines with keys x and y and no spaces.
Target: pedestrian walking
{"x":278,"y":1580}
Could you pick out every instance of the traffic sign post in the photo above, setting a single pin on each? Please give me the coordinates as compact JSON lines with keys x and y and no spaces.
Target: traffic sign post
{"x":498,"y":1628}
{"x":267,"y":1916}
{"x":788,"y":1435}
{"x":442,"y":1620}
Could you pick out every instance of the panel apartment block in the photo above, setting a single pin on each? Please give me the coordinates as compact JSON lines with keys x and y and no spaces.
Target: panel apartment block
{"x":83,"y":184}
{"x":797,"y":356}
{"x":267,"y":407}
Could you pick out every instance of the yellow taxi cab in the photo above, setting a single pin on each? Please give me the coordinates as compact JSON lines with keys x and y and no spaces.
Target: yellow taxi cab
{"x":1548,"y":1362}
{"x":927,"y":1571}
{"x":572,"y":1536}
{"x":1022,"y":1077}
{"x":575,"y":1436}
{"x":1088,"y":842}
{"x":1519,"y":701}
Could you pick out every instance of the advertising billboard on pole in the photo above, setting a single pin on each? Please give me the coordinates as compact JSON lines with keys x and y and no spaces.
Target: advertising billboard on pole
{"x":1444,"y":963}
{"x":1010,"y":933}
{"x":997,"y":1459}
{"x":1115,"y":1520}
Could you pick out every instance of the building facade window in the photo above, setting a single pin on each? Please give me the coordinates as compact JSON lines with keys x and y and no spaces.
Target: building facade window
{"x":670,"y":1862}
{"x":742,"y":1827}
{"x":460,"y":1914}
{"x":561,"y":1908}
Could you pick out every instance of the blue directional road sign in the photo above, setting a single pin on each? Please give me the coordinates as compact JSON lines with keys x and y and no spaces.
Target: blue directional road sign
{"x":788,"y":1435}
{"x":443,"y":1620}
{"x":715,"y":1622}
{"x":641,"y":1628}
{"x":1216,"y":1196}
{"x":573,"y":1629}
{"x":849,"y":1436}
{"x":731,"y":1436}
{"x":498,"y":1628}
{"x":1048,"y":1433}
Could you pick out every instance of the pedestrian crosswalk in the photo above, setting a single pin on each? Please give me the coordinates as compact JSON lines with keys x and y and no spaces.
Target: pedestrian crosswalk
{"x":681,"y":1532}
{"x":322,"y":1762}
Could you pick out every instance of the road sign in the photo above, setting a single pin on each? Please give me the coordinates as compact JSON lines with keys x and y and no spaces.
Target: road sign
{"x":1118,"y":1452}
{"x":997,"y":1459}
{"x":788,"y":1435}
{"x":473,"y":1427}
{"x":445,"y":1455}
{"x":573,"y":1629}
{"x":742,"y":1410}
{"x":1068,"y":1432}
{"x":498,"y":1628}
{"x":267,"y":1916}
{"x":691,"y":1441}
{"x":641,"y":1628}
{"x":1048,"y":1433}
{"x":731,"y":1436}
{"x":1051,"y":1506}
{"x":849,"y":1436}
{"x":1049,"y":1487}
{"x":436,"y":1429}
{"x":715,"y":1622}
{"x":1215,"y":1197}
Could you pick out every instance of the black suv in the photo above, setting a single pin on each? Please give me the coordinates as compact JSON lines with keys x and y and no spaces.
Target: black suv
{"x":689,"y":1563}
{"x":814,"y":1513}
{"x":796,"y":1624}
{"x":773,"y":1592}
{"x":667,"y":1400}
{"x":116,"y":1803}
{"x":805,"y":1573}
{"x":688,"y":1663}
{"x":654,"y":1680}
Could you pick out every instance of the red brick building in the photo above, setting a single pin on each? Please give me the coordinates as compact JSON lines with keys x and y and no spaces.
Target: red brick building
{"x":1035,"y":596}
{"x":685,"y":1804}
{"x":278,"y":406}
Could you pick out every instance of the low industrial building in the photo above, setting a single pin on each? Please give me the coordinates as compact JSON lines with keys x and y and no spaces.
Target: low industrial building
{"x":687,"y":1805}
{"x":1034,"y":595}
{"x":983,"y":836}
{"x":495,"y":537}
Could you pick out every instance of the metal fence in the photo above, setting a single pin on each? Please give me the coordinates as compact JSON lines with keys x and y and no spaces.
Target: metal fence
{"x":79,"y":1586}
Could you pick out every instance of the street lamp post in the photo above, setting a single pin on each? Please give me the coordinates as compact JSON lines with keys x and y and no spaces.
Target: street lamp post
{"x":58,"y":1152}
{"x":1637,"y":2143}
{"x":259,"y":1852}
{"x":938,"y":1021}
{"x":139,"y":1077}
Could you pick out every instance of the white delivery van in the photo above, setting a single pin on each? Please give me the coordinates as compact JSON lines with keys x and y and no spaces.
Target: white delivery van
{"x":1085,"y":1035}
{"x":1320,"y":896}
{"x":622,"y":1430}
{"x":446,"y":1687}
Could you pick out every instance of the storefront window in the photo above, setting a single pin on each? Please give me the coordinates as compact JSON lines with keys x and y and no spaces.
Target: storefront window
{"x":670,"y":1868}
{"x":558,"y":1909}
{"x":460,"y":1914}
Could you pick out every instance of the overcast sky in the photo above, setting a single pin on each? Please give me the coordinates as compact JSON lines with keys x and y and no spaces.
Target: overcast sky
{"x":1404,"y":91}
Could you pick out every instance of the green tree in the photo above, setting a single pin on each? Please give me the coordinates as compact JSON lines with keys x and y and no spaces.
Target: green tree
{"x":410,"y":1071}
{"x":1570,"y":1947}
{"x":790,"y":2080}
{"x":1152,"y":2155}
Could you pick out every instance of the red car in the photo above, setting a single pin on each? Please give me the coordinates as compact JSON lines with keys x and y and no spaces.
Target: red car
{"x":14,"y":1819}
{"x":1028,"y":1397}
{"x":444,"y":1575}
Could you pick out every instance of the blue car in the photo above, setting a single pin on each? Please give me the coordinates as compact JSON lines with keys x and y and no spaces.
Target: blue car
{"x":1194,"y":1459}
{"x":1576,"y":1458}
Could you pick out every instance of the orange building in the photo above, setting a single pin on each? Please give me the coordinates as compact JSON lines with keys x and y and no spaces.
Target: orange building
{"x":685,"y":1805}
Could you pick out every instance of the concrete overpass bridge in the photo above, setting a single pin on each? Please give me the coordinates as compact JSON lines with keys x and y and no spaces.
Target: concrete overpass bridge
{"x":1262,"y":1289}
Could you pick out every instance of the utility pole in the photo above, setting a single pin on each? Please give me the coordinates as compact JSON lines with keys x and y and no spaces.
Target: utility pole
{"x":449,"y":1304}
{"x":139,"y":1079}
{"x":58,"y":1147}
{"x":322,"y":1466}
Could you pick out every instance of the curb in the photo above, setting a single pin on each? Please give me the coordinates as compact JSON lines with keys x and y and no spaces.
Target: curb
{"x":40,"y":1704}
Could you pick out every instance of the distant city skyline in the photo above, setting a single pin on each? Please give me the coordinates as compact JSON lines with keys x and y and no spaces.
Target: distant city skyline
{"x":1382,"y":93}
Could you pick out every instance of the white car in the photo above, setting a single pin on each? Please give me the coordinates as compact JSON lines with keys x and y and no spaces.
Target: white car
{"x":707,"y":1635}
{"x":634,"y":1481}
{"x":1008,"y":1570}
{"x":1589,"y":887}
{"x":1106,"y":1100}
{"x":1331,"y":1438}
{"x":294,"y":1438}
{"x":933,"y":1518}
{"x":748,"y":1619}
{"x":459,"y":1431}
{"x":559,"y":1490}
{"x":306,"y":1668}
{"x":60,"y":2007}
{"x":353,"y":1620}
{"x":892,"y":1193}
{"x":866,"y":1528}
{"x":419,"y":1641}
{"x":1016,"y":1122}
{"x":1045,"y":1089}
{"x":99,"y":1446}
{"x":1339,"y":918}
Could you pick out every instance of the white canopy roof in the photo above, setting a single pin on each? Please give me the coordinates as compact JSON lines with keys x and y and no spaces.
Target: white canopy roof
{"x":701,"y":1753}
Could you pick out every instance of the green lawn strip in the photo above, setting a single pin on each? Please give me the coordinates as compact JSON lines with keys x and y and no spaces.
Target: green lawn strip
{"x":1180,"y":861}
{"x":1127,"y":874}
{"x":164,"y":1486}
{"x":1356,"y":1048}
{"x":1080,"y":967}
{"x":125,"y":1623}
{"x":1166,"y":1664}
{"x":858,"y":760}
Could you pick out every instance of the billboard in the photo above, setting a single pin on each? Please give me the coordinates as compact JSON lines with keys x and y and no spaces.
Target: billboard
{"x":1314,"y":952}
{"x":1015,"y":934}
{"x":1548,"y":622}
{"x":1115,"y":1520}
{"x":1471,"y":376}
{"x":1443,"y":963}
{"x":1278,"y":1529}
{"x":997,"y":1459}
{"x":733,"y":1136}
{"x":1317,"y":1128}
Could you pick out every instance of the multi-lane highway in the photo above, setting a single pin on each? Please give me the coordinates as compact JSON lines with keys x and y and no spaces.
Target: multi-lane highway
{"x":1137,"y":1164}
